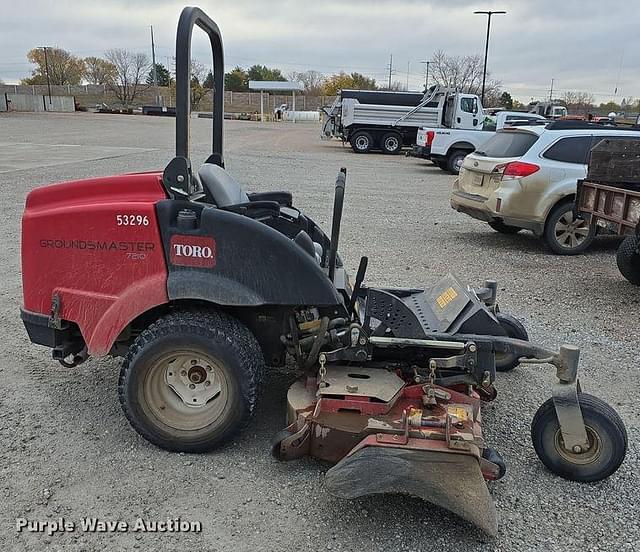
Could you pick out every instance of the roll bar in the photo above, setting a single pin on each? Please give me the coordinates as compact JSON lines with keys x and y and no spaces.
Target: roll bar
{"x":177,"y":177}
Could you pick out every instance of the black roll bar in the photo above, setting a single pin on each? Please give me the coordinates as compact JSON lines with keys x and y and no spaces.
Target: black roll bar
{"x":177,"y":177}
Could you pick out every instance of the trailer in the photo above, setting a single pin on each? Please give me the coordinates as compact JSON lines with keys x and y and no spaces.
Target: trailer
{"x":388,"y":121}
{"x":609,"y":198}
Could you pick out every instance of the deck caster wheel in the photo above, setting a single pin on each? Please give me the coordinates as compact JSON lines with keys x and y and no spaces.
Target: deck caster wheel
{"x":514,"y":328}
{"x":190,"y":380}
{"x":606,"y":434}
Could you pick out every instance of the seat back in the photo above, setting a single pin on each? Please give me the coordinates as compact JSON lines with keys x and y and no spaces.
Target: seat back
{"x":220,"y":186}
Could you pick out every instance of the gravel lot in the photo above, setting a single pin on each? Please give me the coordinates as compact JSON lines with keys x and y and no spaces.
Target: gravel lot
{"x":67,"y":450}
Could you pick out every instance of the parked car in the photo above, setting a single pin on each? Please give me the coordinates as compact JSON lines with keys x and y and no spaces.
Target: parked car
{"x":526,"y":177}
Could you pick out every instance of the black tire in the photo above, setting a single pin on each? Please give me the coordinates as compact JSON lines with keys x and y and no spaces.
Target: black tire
{"x":515,"y":329}
{"x":227,"y":366}
{"x":606,"y":432}
{"x":391,"y":143}
{"x":361,"y":141}
{"x":566,"y":235}
{"x":503,"y":228}
{"x":441,"y":165}
{"x":628,"y":259}
{"x":455,"y":159}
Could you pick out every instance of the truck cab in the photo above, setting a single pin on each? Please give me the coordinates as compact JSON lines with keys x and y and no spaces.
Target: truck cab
{"x":463,"y":111}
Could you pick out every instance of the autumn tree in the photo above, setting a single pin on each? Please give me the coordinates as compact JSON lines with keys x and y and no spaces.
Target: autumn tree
{"x":60,"y":65}
{"x":98,"y":70}
{"x":130,"y":70}
{"x":162,"y":75}
{"x":465,"y":74}
{"x":313,"y":81}
{"x":209,"y":81}
{"x":236,"y":80}
{"x":342,"y":81}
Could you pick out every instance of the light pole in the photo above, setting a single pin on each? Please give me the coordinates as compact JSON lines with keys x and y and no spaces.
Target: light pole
{"x":426,"y":76}
{"x":46,"y":66}
{"x":486,"y":46}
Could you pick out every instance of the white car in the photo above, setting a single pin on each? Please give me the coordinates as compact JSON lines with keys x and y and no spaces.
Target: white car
{"x":526,"y":177}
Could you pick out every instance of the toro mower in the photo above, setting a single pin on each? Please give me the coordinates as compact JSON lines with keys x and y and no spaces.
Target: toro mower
{"x":199,"y":285}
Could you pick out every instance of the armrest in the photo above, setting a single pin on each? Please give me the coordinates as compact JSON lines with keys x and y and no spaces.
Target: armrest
{"x":255,"y":209}
{"x":283,"y":198}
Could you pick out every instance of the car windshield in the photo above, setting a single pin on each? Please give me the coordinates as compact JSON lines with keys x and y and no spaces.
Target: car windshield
{"x":508,"y":144}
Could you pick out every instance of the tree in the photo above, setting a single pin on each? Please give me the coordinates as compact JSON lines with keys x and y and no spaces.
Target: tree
{"x":465,"y":74}
{"x":63,"y":68}
{"x":98,"y":70}
{"x":342,"y":80}
{"x":506,"y":100}
{"x":236,"y":80}
{"x":578,"y":102}
{"x":162,"y":74}
{"x":313,"y":81}
{"x":209,"y":82}
{"x":130,"y":68}
{"x":264,"y":73}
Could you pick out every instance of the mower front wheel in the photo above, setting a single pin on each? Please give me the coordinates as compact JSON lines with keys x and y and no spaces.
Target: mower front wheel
{"x":190,"y":381}
{"x":606,"y":435}
{"x":506,"y":362}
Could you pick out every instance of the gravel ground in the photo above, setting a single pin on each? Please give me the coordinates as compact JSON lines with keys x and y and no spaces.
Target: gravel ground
{"x":67,"y":450}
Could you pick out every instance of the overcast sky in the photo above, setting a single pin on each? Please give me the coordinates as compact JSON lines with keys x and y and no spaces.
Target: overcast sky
{"x":584,"y":45}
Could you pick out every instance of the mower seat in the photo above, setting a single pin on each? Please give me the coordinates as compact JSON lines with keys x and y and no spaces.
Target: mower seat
{"x":221,"y":188}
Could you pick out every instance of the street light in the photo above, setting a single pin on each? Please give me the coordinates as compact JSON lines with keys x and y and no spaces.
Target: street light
{"x":46,"y":65}
{"x":486,"y":47}
{"x":426,"y":77}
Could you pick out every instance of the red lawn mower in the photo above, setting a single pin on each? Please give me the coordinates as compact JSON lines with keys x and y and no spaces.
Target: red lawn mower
{"x":199,"y":285}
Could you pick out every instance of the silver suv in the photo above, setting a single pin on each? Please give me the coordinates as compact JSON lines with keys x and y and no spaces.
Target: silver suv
{"x":525,"y":178}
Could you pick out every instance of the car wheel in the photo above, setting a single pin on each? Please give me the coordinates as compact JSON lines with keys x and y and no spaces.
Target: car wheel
{"x":628,"y":259}
{"x":503,"y":228}
{"x":565,"y":234}
{"x":361,"y":142}
{"x":455,"y":160}
{"x":391,"y":143}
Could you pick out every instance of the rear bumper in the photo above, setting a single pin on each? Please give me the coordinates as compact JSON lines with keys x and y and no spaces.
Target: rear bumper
{"x":64,"y":341}
{"x":423,"y":152}
{"x":478,"y":207}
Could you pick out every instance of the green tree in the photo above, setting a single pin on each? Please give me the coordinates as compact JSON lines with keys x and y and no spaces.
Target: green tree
{"x":98,"y":70}
{"x":236,"y":80}
{"x":162,"y":74}
{"x":506,"y":100}
{"x":342,"y":80}
{"x":360,"y":82}
{"x":264,"y":73}
{"x":209,"y":82}
{"x":63,"y":68}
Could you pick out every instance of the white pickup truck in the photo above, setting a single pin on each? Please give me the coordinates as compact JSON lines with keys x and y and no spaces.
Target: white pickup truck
{"x":447,"y":147}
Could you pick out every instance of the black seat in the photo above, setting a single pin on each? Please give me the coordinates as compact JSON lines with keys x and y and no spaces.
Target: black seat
{"x":220,"y":186}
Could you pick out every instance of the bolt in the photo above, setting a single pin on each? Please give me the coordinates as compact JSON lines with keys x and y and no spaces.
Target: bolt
{"x":363,"y":341}
{"x":180,"y":178}
{"x":192,"y":386}
{"x":208,"y":368}
{"x":352,"y":388}
{"x":194,"y":362}
{"x":577,"y":449}
{"x":183,"y":373}
{"x":207,"y":383}
{"x":472,"y":348}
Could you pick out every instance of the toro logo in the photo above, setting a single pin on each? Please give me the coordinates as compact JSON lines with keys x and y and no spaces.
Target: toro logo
{"x":195,"y":251}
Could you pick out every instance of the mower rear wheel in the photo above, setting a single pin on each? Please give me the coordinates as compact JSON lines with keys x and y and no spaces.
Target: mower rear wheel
{"x":514,"y":328}
{"x":190,"y":381}
{"x":628,"y":259}
{"x":606,"y":434}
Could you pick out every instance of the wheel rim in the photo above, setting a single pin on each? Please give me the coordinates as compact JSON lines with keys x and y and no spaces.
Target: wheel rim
{"x":362,"y":143}
{"x":391,"y":143}
{"x":186,"y":390}
{"x":570,"y":232}
{"x":457,"y":162}
{"x":582,"y":458}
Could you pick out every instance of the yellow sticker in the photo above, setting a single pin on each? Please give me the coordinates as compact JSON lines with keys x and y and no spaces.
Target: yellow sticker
{"x":446,"y":297}
{"x":459,"y":412}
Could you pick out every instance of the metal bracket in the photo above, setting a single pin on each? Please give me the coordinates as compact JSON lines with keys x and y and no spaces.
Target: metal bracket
{"x":565,"y":400}
{"x":54,"y":318}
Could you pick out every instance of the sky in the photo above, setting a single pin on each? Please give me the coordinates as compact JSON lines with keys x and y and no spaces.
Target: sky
{"x":583,"y":45}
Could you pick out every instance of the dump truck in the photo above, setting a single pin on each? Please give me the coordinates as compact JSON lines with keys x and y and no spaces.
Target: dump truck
{"x":609,"y":198}
{"x":388,"y":121}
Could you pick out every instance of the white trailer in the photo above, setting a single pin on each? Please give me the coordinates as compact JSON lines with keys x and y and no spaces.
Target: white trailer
{"x":387,"y":121}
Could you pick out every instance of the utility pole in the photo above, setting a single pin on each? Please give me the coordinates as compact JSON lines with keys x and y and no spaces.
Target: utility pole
{"x":408,"y":65}
{"x":486,"y":46}
{"x":390,"y":69}
{"x":551,"y":92}
{"x":154,"y":68}
{"x":426,"y":76}
{"x":46,"y":66}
